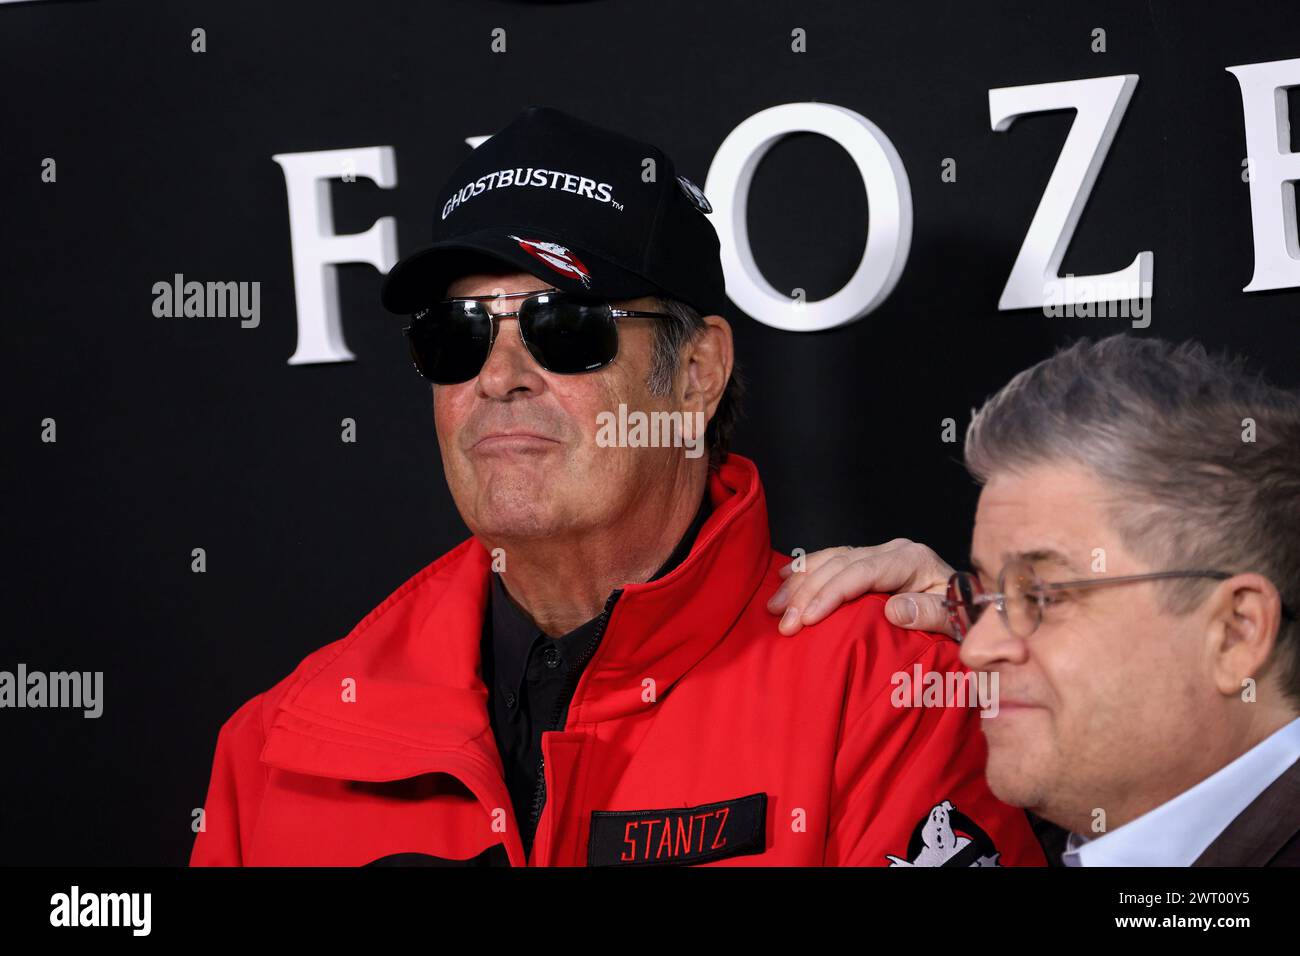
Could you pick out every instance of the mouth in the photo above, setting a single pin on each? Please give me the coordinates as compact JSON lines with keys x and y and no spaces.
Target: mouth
{"x":515,"y":441}
{"x":1017,"y":707}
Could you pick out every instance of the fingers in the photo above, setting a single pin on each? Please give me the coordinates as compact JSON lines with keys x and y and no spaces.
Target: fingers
{"x":801,"y":588}
{"x":845,"y":582}
{"x":812,"y":561}
{"x":811,"y":564}
{"x":836,"y":575}
{"x":897,"y":565}
{"x":901,"y":565}
{"x":920,"y":612}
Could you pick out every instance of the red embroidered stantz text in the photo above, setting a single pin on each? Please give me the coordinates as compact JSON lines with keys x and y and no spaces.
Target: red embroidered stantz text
{"x":678,"y":834}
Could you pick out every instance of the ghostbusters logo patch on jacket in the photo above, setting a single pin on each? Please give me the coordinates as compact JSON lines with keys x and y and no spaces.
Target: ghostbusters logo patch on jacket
{"x":947,"y":837}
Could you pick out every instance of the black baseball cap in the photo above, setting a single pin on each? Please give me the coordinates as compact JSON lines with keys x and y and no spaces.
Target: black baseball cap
{"x":568,"y":202}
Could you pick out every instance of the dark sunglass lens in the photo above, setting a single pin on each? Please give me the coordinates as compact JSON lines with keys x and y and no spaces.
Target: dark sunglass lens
{"x":567,"y":334}
{"x":450,"y":342}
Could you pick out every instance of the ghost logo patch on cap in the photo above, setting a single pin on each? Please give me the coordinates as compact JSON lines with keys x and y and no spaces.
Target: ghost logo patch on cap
{"x":695,"y":194}
{"x":558,"y":257}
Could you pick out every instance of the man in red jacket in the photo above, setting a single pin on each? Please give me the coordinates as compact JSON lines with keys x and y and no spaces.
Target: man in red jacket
{"x":593,"y":678}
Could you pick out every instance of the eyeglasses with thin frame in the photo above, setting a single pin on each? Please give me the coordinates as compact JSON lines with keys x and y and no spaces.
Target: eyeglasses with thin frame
{"x":1022,"y":595}
{"x":565,"y":333}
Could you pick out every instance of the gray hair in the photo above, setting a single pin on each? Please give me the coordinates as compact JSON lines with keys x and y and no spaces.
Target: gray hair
{"x":671,"y":336}
{"x":1203,"y":454}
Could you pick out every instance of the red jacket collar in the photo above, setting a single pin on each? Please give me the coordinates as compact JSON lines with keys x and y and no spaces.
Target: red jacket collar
{"x":412,"y":664}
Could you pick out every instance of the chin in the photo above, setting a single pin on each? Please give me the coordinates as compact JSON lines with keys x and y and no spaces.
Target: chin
{"x":512,"y":519}
{"x":1014,"y":777}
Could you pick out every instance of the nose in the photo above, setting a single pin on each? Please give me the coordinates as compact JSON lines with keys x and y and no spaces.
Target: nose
{"x":990,"y":642}
{"x":509,"y":369}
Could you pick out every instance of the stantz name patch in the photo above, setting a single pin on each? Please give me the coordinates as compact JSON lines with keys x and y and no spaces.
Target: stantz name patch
{"x":677,"y":835}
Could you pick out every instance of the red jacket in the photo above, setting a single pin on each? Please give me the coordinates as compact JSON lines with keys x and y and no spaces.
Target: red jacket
{"x":696,"y":734}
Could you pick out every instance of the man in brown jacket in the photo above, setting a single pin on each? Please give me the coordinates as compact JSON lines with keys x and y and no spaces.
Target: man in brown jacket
{"x":1138,"y":539}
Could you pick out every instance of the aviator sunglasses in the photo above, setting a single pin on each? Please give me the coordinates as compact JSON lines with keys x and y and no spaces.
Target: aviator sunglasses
{"x":564,"y":332}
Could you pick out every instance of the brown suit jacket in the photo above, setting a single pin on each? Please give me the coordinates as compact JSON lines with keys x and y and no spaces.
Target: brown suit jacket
{"x":1266,"y":833}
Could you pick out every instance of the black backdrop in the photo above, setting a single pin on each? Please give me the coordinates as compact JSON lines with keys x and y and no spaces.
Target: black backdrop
{"x":180,"y":433}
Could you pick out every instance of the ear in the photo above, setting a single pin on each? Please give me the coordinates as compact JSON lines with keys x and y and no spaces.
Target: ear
{"x":1245,"y":615}
{"x":708,"y":362}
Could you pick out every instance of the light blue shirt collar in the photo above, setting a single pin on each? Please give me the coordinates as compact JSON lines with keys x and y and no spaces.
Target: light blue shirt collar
{"x":1178,"y":831}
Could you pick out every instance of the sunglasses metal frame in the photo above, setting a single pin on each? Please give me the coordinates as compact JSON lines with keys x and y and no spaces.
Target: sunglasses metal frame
{"x":495,"y":317}
{"x":1040,"y":590}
